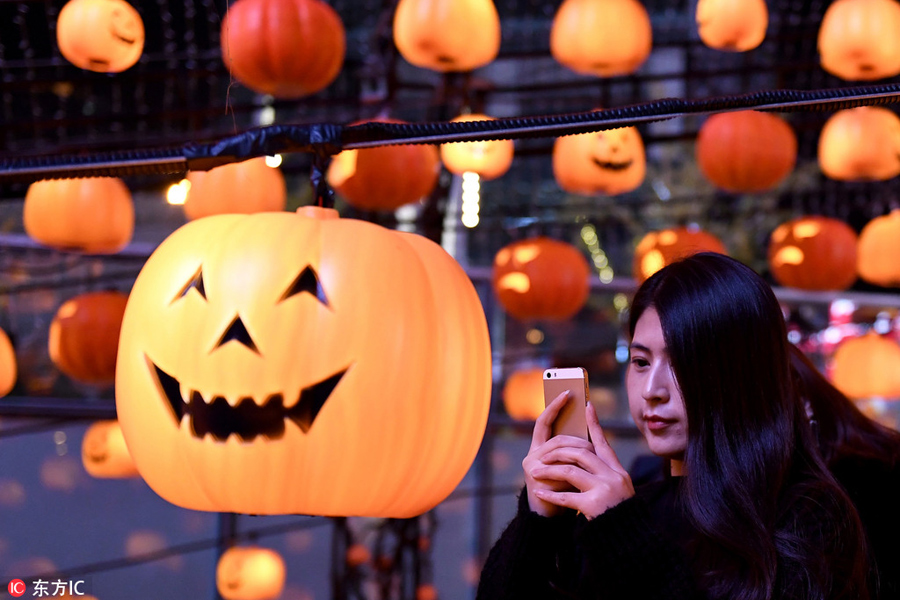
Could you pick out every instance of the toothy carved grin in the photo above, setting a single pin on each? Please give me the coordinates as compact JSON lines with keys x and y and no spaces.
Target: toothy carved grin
{"x":248,"y":418}
{"x":613,"y":166}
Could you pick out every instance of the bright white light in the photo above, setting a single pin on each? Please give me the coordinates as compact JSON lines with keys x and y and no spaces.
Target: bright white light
{"x":273,"y":161}
{"x":606,"y":275}
{"x":470,"y":220}
{"x":177,"y":192}
{"x":266,"y":116}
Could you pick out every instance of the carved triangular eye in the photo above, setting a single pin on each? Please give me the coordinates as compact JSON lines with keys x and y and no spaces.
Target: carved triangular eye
{"x":195,"y":283}
{"x":307,"y":281}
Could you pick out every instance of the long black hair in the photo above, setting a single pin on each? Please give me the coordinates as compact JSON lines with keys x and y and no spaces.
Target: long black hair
{"x":756,"y":490}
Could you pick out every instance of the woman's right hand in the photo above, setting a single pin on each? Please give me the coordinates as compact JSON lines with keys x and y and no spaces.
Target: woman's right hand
{"x":542,"y":442}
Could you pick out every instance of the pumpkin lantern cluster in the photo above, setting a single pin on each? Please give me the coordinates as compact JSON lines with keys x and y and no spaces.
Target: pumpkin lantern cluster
{"x":858,"y":39}
{"x":732,"y":25}
{"x":602,"y":162}
{"x":257,"y":368}
{"x":250,"y":573}
{"x":244,"y":187}
{"x":541,"y":278}
{"x":106,"y":36}
{"x":489,"y":159}
{"x":861,"y":144}
{"x":813,"y":253}
{"x":878,"y":249}
{"x":867,"y":367}
{"x":660,"y":248}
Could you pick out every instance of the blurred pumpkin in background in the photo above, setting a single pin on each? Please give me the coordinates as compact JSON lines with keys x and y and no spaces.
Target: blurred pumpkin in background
{"x":104,"y":453}
{"x":8,"y":365}
{"x":489,"y":159}
{"x":867,"y":367}
{"x":861,"y":144}
{"x":601,"y":162}
{"x":732,"y":25}
{"x":660,"y":248}
{"x":244,"y":187}
{"x":106,"y":36}
{"x":523,"y":394}
{"x":858,"y":39}
{"x":813,"y":253}
{"x":878,"y":249}
{"x":250,"y":573}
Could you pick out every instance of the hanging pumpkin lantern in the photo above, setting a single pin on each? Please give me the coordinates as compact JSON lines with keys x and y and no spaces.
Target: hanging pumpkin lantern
{"x":257,"y":367}
{"x":385,"y":177}
{"x":746,"y":151}
{"x":250,"y":573}
{"x":447,"y":35}
{"x":8,"y":368}
{"x":602,"y":162}
{"x":489,"y":159}
{"x":523,"y":394}
{"x":604,"y":38}
{"x":858,"y":39}
{"x":285,"y":48}
{"x":660,"y":248}
{"x":106,"y":36}
{"x":867,"y":367}
{"x":541,"y":278}
{"x":861,"y":144}
{"x":878,"y":249}
{"x":244,"y":187}
{"x":732,"y":25}
{"x":91,"y":215}
{"x":84,"y":336}
{"x":104,"y":453}
{"x":813,"y":253}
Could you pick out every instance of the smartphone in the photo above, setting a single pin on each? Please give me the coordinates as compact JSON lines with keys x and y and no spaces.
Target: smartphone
{"x":571,"y":419}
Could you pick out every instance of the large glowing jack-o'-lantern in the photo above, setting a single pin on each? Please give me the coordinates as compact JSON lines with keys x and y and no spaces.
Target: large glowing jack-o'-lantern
{"x":245,"y":187}
{"x":813,"y":253}
{"x":8,"y":368}
{"x":104,"y":453}
{"x":858,"y":39}
{"x":250,"y":573}
{"x":732,"y":25}
{"x":541,"y":278}
{"x":489,"y":159}
{"x":523,"y":394}
{"x":861,"y":144}
{"x":266,"y":365}
{"x":601,"y":37}
{"x":447,"y":35}
{"x":878,"y":249}
{"x":660,"y":248}
{"x":106,"y":36}
{"x":602,"y":162}
{"x":867,"y":367}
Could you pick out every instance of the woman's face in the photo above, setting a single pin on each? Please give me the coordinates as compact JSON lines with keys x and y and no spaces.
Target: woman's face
{"x":653,"y":395}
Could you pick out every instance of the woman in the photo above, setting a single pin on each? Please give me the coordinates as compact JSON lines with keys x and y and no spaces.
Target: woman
{"x":864,"y":456}
{"x":749,"y":510}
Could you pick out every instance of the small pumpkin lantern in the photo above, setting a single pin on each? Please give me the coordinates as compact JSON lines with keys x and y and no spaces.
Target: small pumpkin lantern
{"x":732,"y":25}
{"x":447,"y":35}
{"x":878,"y":249}
{"x":8,"y":368}
{"x":255,"y":345}
{"x":867,"y":367}
{"x":285,"y":48}
{"x":601,"y":162}
{"x":250,"y":573}
{"x":861,"y":144}
{"x":541,"y":278}
{"x":106,"y":36}
{"x":104,"y":453}
{"x":84,"y":336}
{"x":90,"y":215}
{"x":244,"y":187}
{"x":489,"y":159}
{"x":660,"y":248}
{"x":858,"y":39}
{"x":523,"y":394}
{"x":813,"y":253}
{"x":604,"y":38}
{"x":746,"y":151}
{"x":385,"y":177}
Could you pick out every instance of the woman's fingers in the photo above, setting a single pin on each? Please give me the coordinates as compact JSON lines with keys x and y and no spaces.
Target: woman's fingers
{"x":571,"y":474}
{"x":600,"y":443}
{"x":543,"y":425}
{"x":583,"y":457}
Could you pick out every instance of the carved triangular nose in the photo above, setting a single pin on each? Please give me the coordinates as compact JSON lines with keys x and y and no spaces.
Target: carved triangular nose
{"x":237,"y":331}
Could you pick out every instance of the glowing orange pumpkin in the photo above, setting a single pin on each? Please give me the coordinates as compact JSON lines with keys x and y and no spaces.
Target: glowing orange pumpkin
{"x":286,"y":48}
{"x":250,"y":573}
{"x":8,"y":368}
{"x":732,"y":25}
{"x":447,"y":35}
{"x":104,"y":453}
{"x":523,"y":394}
{"x":541,"y":278}
{"x":601,"y":37}
{"x":660,"y":248}
{"x":245,"y":187}
{"x":84,"y":336}
{"x":602,"y":162}
{"x":878,"y":249}
{"x":489,"y":159}
{"x":858,"y":39}
{"x":385,"y":177}
{"x":92,"y":215}
{"x":106,"y":36}
{"x":867,"y":367}
{"x":813,"y":253}
{"x":255,"y":345}
{"x":861,"y":144}
{"x":746,"y":151}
